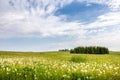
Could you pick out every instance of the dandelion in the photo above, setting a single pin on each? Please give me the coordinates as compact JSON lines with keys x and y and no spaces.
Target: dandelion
{"x":84,"y":71}
{"x":40,"y":66}
{"x":66,"y":76}
{"x":79,"y":79}
{"x":115,"y":68}
{"x":110,"y":66}
{"x":25,"y":75}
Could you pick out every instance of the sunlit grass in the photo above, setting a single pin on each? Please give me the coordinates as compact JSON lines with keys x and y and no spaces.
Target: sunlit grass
{"x":59,"y":66}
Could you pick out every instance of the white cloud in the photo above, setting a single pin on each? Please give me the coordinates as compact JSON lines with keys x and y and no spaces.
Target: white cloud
{"x":112,"y":4}
{"x":33,"y":19}
{"x":105,"y":31}
{"x":18,"y":25}
{"x":105,"y":20}
{"x":39,"y":21}
{"x":25,"y":24}
{"x":109,"y":39}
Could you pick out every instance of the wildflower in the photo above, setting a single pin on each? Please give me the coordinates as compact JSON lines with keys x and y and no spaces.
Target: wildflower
{"x":66,"y":76}
{"x":84,"y":71}
{"x":79,"y":79}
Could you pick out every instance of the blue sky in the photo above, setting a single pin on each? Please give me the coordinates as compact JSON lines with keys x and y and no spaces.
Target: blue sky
{"x":46,"y":25}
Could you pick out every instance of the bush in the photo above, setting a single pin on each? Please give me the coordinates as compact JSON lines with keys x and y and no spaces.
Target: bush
{"x":78,"y":59}
{"x":90,"y":50}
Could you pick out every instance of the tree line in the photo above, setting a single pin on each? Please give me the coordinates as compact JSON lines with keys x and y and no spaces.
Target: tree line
{"x":64,"y":50}
{"x":90,"y":50}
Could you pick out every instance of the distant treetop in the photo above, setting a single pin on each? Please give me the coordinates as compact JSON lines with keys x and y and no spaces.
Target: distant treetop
{"x":90,"y":50}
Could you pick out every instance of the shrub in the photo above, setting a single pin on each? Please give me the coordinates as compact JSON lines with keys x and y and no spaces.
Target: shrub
{"x":78,"y":59}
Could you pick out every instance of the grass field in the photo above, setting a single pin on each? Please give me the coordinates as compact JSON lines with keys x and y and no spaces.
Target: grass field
{"x":59,"y":66}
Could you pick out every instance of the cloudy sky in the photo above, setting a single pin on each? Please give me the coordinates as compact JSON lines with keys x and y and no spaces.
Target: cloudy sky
{"x":43,"y":25}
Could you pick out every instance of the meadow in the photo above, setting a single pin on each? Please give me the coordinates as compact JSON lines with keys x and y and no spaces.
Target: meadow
{"x":59,"y":66}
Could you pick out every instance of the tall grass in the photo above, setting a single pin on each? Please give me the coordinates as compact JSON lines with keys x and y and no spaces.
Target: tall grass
{"x":58,"y":66}
{"x":78,"y":59}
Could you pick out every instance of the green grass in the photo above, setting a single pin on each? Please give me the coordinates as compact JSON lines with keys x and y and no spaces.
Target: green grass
{"x":59,"y":66}
{"x":78,"y":59}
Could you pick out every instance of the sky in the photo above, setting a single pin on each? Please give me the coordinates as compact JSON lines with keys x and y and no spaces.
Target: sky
{"x":48,"y":25}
